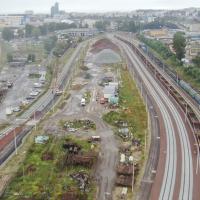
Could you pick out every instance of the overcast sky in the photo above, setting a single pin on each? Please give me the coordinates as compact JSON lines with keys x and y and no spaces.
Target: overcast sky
{"x":12,"y":6}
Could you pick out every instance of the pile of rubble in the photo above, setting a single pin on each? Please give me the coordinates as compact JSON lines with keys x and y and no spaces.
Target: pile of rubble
{"x":73,"y":195}
{"x":70,"y":195}
{"x":124,"y":180}
{"x":123,"y":130}
{"x":85,"y":160}
{"x":76,"y":124}
{"x":125,"y":175}
{"x":82,"y":180}
{"x":71,"y":147}
{"x":74,"y":156}
{"x":125,"y":168}
{"x":136,"y":142}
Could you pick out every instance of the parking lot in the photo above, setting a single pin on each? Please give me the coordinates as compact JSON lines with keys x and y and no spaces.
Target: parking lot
{"x":23,"y":79}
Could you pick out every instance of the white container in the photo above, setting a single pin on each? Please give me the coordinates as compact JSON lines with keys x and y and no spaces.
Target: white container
{"x":9,"y":111}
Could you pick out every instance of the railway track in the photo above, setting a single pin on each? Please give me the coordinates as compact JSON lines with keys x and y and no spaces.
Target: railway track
{"x":174,"y":125}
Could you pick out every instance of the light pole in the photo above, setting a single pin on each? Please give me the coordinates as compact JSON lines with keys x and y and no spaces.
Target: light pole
{"x":186,"y":112}
{"x":15,"y":126}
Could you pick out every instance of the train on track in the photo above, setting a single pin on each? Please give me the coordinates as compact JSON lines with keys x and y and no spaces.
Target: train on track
{"x":185,"y":86}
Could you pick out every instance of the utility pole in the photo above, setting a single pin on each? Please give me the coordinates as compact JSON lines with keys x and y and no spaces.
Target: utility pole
{"x":133,"y":178}
{"x":15,"y":141}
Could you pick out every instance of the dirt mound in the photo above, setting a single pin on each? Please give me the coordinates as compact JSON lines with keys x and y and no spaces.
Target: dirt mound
{"x":104,"y":44}
{"x":106,"y":56}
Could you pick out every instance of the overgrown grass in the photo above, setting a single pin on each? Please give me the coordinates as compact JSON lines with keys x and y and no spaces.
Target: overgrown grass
{"x":132,"y":109}
{"x":38,"y":178}
{"x":87,"y":96}
{"x":3,"y":126}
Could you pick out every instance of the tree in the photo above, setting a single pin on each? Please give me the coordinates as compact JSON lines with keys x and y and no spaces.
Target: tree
{"x":101,"y":25}
{"x":28,"y":30}
{"x":50,"y":43}
{"x":7,"y":34}
{"x":20,"y":33}
{"x":9,"y":57}
{"x":60,"y":48}
{"x":43,"y":29}
{"x":36,"y":32}
{"x":196,"y":60}
{"x":127,"y":25}
{"x":179,"y":44}
{"x":31,"y":58}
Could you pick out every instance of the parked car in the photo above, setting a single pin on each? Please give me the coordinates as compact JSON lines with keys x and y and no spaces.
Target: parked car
{"x":16,"y":109}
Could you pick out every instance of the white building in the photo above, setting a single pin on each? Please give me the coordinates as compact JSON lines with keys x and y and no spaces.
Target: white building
{"x":195,"y":27}
{"x":109,"y":91}
{"x":11,"y":20}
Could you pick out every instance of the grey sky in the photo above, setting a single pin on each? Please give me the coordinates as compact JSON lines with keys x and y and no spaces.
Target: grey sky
{"x":11,"y":6}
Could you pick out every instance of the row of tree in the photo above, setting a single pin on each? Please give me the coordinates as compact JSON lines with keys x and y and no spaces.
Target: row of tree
{"x":179,"y":44}
{"x":194,"y":70}
{"x":101,"y":25}
{"x":32,"y":31}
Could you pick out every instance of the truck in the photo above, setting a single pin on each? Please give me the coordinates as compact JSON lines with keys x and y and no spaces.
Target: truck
{"x":58,"y":92}
{"x":94,"y":138}
{"x":102,"y":100}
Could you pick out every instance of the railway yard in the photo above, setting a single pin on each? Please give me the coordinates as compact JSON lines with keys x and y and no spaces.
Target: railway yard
{"x":117,"y":126}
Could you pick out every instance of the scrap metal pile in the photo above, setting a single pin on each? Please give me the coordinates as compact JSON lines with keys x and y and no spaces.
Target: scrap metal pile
{"x":82,"y":179}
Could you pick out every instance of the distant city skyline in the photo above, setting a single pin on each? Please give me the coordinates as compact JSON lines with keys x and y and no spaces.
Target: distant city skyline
{"x":43,"y":6}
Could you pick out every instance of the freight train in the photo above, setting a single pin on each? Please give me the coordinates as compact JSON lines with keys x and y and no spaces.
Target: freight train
{"x":185,"y":86}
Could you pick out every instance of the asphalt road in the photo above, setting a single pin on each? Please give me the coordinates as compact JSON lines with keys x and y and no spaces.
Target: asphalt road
{"x":175,"y":129}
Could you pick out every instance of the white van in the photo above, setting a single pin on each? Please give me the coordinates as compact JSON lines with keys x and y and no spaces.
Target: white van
{"x":83,"y":101}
